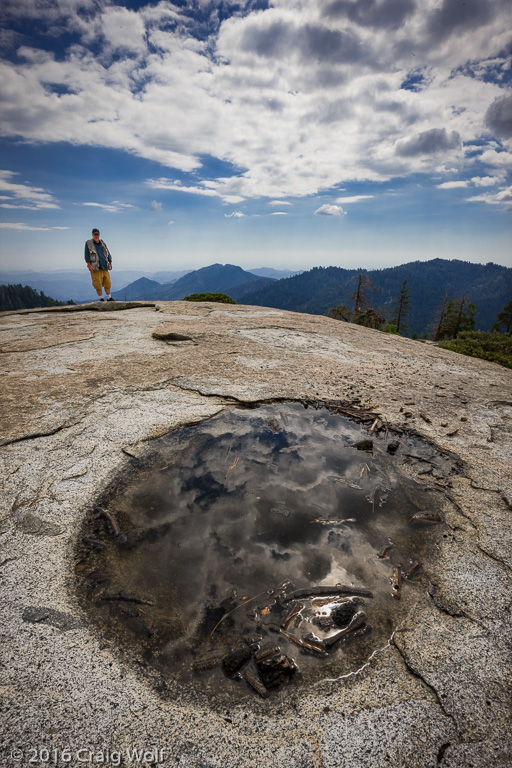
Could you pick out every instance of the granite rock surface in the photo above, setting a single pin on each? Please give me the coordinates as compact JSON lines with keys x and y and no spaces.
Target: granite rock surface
{"x":82,"y":390}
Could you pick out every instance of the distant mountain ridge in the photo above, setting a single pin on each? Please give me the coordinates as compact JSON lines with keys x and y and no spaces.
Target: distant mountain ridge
{"x":217,"y":278}
{"x":488,"y":286}
{"x":276,"y":274}
{"x":141,"y":287}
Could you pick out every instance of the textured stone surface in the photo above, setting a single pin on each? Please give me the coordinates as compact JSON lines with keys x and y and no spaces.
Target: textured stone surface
{"x":83,"y":391}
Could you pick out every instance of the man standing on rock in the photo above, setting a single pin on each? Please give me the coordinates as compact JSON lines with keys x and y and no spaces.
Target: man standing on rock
{"x":99,"y":262}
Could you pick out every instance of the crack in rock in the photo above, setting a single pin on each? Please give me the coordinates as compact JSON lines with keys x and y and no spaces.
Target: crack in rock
{"x":36,"y":435}
{"x":430,"y":687}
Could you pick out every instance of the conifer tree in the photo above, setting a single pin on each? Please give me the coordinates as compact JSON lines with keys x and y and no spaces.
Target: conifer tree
{"x":400,"y":309}
{"x":437,"y":332}
{"x":459,"y":316}
{"x":360,"y":297}
{"x":372,"y":318}
{"x":504,"y":320}
{"x":341,"y":312}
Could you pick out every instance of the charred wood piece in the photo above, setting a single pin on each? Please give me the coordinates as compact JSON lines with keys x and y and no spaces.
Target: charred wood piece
{"x":357,"y":621}
{"x":321,"y":591}
{"x":112,"y":522}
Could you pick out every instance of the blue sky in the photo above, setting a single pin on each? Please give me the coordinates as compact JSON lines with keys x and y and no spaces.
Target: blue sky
{"x":287,"y":133}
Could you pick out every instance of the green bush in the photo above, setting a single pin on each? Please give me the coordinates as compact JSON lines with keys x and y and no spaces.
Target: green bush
{"x":390,"y":328}
{"x":493,"y":346}
{"x":221,"y":297}
{"x":339,"y":313}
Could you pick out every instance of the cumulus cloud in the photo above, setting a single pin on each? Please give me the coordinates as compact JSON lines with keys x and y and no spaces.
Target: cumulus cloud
{"x":123,"y":29}
{"x":429,"y":142}
{"x":452,"y":16}
{"x":502,"y":198}
{"x":499,"y":117}
{"x":486,"y":181}
{"x":155,"y":206}
{"x":330,"y":210}
{"x":497,"y":159}
{"x":388,"y":14}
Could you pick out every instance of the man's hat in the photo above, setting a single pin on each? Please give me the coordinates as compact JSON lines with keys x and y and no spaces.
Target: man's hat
{"x":95,"y":231}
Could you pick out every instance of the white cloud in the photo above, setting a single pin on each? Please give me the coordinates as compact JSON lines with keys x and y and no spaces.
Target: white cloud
{"x":123,"y":29}
{"x":487,"y":181}
{"x":502,"y":159}
{"x":353,"y":198}
{"x":208,"y":189}
{"x":155,"y":206}
{"x":330,"y":210}
{"x":279,"y":213}
{"x":114,"y":207}
{"x":502,"y":198}
{"x":279,"y":202}
{"x":234,"y":215}
{"x":171,"y":222}
{"x":26,"y":227}
{"x":24,"y":195}
{"x":453,"y":184}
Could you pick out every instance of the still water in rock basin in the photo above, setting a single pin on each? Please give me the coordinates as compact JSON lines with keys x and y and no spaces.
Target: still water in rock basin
{"x":229,"y":509}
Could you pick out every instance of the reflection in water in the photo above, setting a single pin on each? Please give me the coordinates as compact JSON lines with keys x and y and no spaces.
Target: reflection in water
{"x":229,"y":525}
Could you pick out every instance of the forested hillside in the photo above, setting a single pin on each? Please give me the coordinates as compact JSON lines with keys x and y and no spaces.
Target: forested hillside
{"x":488,"y":286}
{"x":25,"y":297}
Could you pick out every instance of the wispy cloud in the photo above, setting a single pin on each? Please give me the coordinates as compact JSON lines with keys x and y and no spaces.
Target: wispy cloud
{"x":114,"y":207}
{"x":453,"y":184}
{"x":354,"y":198}
{"x":279,"y":202}
{"x":26,"y":227}
{"x":208,"y":188}
{"x":24,"y":195}
{"x":234,"y":215}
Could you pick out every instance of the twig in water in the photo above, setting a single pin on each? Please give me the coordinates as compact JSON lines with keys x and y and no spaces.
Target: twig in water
{"x":235,"y":609}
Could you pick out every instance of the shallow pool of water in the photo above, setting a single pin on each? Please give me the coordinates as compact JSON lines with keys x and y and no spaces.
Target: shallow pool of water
{"x":220,"y":515}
